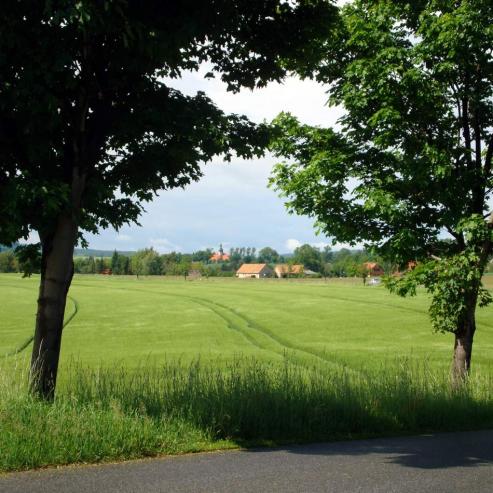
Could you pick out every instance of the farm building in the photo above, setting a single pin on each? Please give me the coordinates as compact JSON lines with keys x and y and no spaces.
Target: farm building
{"x":373,"y":269}
{"x":286,"y":270}
{"x":254,"y":271}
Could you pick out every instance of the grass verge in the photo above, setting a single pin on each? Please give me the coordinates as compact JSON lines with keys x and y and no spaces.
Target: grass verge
{"x":113,"y":414}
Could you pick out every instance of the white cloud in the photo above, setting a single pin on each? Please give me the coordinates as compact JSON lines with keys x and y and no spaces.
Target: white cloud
{"x":32,"y":238}
{"x":163,"y":245}
{"x":226,"y":204}
{"x":122,"y":237}
{"x":292,"y":244}
{"x":307,"y":99}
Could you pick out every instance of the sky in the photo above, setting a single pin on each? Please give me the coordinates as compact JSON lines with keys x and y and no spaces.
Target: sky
{"x":231,"y":205}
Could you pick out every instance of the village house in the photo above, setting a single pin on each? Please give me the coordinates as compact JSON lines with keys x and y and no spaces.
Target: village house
{"x":286,"y":270}
{"x":254,"y":271}
{"x":373,"y":269}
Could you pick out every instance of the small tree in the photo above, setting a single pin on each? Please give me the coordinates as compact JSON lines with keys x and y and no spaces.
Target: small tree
{"x":137,"y":265}
{"x":362,"y":271}
{"x":410,"y":171}
{"x":327,"y":270}
{"x":115,"y":263}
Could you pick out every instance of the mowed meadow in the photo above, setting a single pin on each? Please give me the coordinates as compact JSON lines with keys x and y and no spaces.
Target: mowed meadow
{"x":166,"y":365}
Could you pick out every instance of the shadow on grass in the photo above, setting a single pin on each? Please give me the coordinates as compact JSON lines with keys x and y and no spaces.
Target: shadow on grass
{"x":255,"y":403}
{"x":117,"y":413}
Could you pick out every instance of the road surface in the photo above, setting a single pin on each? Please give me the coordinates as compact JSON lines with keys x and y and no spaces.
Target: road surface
{"x":448,"y":463}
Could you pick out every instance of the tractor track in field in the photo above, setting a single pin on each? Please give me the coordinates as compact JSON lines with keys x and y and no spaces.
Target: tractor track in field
{"x":229,"y":323}
{"x":30,"y":339}
{"x":351,"y":300}
{"x":363,"y":302}
{"x":284,"y":347}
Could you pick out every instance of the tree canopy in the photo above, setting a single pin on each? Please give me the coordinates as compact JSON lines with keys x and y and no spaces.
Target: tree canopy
{"x":408,"y":170}
{"x":88,"y":95}
{"x":268,"y":255}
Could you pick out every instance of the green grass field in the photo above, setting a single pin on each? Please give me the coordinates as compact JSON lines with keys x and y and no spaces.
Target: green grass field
{"x":340,"y":322}
{"x":158,"y":365}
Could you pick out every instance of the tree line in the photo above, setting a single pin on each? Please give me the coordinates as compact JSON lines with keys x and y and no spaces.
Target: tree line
{"x":148,"y":262}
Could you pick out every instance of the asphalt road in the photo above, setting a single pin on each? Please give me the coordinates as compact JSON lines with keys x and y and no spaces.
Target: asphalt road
{"x":448,"y":463}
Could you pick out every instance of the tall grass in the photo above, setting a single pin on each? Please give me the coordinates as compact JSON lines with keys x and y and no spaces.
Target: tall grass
{"x":105,"y":414}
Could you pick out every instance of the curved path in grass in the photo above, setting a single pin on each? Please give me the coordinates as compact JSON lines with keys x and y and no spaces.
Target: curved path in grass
{"x":442,"y":463}
{"x":30,"y":339}
{"x":261,"y":337}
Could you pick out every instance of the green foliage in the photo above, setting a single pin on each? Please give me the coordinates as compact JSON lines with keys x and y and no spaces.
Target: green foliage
{"x":308,"y":256}
{"x":268,"y":255}
{"x":29,"y":258}
{"x":8,"y":262}
{"x":89,"y":265}
{"x":202,"y":255}
{"x":107,"y":414}
{"x":409,"y":169}
{"x":452,"y":281}
{"x":89,"y":125}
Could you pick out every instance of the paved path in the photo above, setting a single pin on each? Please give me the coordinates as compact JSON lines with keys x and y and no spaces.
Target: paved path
{"x":448,"y":463}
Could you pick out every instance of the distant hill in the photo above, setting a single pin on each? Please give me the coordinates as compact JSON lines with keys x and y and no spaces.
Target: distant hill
{"x":89,"y":252}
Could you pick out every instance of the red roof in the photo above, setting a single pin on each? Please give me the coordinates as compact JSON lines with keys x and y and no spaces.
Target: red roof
{"x":373,"y":268}
{"x":219,"y":257}
{"x":251,"y":268}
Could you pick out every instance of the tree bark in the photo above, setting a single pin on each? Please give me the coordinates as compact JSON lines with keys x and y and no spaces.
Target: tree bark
{"x":464,"y":336}
{"x":56,"y":276}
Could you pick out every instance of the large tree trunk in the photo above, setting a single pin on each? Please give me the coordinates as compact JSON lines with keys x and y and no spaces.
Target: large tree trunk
{"x":56,"y":276}
{"x":464,"y":336}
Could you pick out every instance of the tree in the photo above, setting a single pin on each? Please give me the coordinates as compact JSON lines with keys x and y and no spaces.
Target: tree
{"x":309,"y":256}
{"x":90,"y":130}
{"x":115,"y":263}
{"x":362,"y":271}
{"x":202,"y":255}
{"x":410,"y":171}
{"x":327,"y":270}
{"x":327,"y":254}
{"x":99,"y":265}
{"x":184,"y":267}
{"x":8,"y":262}
{"x":123,"y":265}
{"x":268,"y":255}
